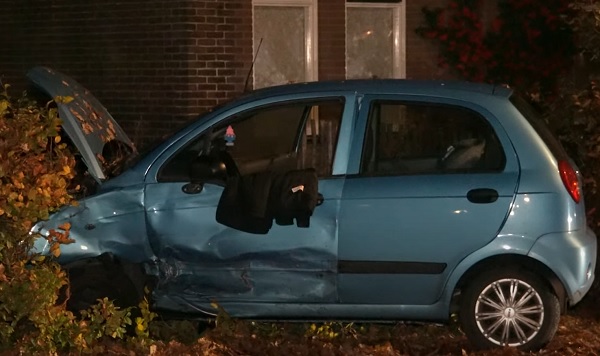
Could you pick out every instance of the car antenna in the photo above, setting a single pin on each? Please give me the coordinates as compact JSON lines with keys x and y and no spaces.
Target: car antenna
{"x":252,"y":65}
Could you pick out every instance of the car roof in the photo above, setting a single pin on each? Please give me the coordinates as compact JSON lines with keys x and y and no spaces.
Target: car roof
{"x":385,"y":86}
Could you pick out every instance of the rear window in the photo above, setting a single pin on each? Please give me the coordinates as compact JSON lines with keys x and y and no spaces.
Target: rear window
{"x":538,"y":124}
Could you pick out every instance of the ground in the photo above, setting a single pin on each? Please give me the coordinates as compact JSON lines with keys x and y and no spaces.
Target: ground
{"x":578,"y":334}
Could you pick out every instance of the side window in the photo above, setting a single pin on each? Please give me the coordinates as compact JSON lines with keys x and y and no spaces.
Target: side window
{"x":262,"y":138}
{"x":280,"y":137}
{"x":414,"y":138}
{"x":319,"y":139}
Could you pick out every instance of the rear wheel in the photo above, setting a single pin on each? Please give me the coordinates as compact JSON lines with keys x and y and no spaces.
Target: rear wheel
{"x":509,"y":308}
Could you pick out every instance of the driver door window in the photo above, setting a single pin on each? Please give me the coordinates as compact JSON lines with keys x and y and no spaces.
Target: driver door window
{"x":280,"y":137}
{"x":263,"y":139}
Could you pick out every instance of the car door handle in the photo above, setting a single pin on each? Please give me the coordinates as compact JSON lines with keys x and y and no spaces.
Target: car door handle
{"x":482,"y":195}
{"x":192,"y":188}
{"x":320,"y":199}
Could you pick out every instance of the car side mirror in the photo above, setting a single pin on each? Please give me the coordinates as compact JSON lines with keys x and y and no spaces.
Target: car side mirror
{"x":204,"y":169}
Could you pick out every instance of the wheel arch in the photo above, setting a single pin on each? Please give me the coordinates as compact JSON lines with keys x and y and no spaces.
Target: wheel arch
{"x":515,"y":261}
{"x":114,"y":268}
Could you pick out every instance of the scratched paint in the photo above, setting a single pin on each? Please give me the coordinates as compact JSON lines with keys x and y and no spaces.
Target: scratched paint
{"x":200,"y":261}
{"x":175,"y":236}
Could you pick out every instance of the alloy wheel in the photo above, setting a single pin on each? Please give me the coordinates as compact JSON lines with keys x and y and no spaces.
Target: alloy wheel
{"x":509,"y":312}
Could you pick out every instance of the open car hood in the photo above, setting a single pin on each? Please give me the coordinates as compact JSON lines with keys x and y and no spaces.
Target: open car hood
{"x":87,"y":123}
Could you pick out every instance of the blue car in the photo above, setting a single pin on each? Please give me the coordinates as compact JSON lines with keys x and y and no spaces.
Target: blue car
{"x":357,"y":200}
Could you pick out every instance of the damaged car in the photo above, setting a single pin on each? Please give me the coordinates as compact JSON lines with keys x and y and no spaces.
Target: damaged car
{"x":375,"y":200}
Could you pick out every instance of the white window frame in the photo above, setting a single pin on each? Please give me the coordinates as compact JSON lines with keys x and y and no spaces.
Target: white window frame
{"x":399,"y":32}
{"x":311,"y":34}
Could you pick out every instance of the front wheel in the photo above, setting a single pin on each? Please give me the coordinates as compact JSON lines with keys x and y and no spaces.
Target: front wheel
{"x":509,"y":308}
{"x":88,"y":287}
{"x":104,"y":276}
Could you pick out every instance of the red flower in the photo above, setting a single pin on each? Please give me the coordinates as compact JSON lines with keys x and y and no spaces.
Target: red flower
{"x":533,"y":33}
{"x":466,"y":12}
{"x":510,"y":49}
{"x":430,"y":34}
{"x":487,"y":54}
{"x":497,"y":25}
{"x":440,"y":19}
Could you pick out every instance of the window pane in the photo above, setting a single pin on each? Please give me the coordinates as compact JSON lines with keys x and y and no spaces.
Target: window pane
{"x":318,"y":150}
{"x":270,"y":138}
{"x":266,"y":134}
{"x":282,"y":55}
{"x":419,"y":139}
{"x":369,"y":42}
{"x":257,"y":141}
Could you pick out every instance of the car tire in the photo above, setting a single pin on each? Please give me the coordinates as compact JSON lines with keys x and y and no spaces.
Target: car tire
{"x":512,"y":308}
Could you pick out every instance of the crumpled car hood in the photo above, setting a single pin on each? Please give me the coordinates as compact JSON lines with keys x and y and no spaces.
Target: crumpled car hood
{"x":87,"y":122}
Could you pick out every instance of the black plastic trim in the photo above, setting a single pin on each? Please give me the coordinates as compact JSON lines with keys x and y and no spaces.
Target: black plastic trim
{"x":390,"y":267}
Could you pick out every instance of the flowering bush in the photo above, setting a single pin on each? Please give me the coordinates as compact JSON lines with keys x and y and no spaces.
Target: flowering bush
{"x":36,"y":169}
{"x":550,"y":51}
{"x":528,"y":44}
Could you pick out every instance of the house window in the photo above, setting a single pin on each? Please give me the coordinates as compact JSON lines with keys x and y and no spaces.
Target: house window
{"x":375,"y":40}
{"x":284,"y":41}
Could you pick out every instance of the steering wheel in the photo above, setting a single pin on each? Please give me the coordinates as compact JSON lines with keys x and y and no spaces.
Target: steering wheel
{"x":231,"y":168}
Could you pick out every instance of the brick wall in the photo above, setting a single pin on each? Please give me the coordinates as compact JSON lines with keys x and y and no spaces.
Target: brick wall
{"x":332,"y":39}
{"x":157,"y":63}
{"x":154,"y":64}
{"x":421,"y":54}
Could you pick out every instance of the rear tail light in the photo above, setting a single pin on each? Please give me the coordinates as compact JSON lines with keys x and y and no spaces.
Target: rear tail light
{"x":569,"y":179}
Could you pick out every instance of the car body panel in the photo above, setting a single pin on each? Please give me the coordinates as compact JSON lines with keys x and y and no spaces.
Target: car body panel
{"x":87,"y":122}
{"x":110,"y":221}
{"x":208,"y":261}
{"x":571,"y":256}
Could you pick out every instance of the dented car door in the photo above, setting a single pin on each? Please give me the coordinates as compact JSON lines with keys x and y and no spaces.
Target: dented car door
{"x":201,"y":261}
